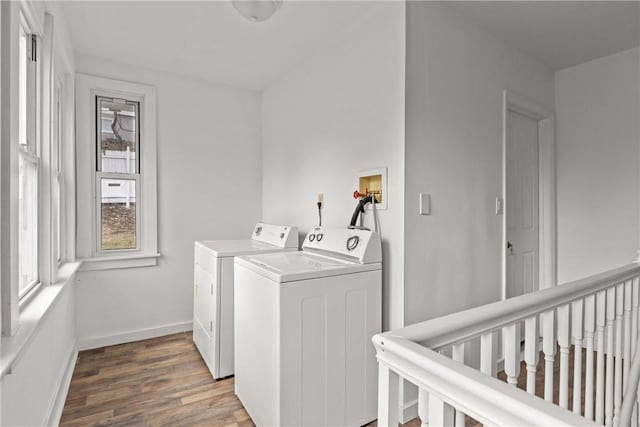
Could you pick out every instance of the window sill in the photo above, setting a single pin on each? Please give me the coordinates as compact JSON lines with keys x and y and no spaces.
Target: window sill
{"x":31,"y":316}
{"x":119,"y":261}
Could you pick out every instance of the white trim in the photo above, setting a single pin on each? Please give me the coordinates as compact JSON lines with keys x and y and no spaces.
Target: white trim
{"x":2,"y":115}
{"x":547,"y":246}
{"x":87,"y":87}
{"x":8,"y":156}
{"x":69,"y":169}
{"x":119,"y":261}
{"x":46,"y":263}
{"x":131,"y":336}
{"x":56,"y":406}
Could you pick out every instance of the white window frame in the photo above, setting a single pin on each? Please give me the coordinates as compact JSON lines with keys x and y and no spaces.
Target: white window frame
{"x":30,"y":152}
{"x":88,"y":202}
{"x":100,"y":175}
{"x":57,"y":175}
{"x":31,"y":18}
{"x":99,"y":251}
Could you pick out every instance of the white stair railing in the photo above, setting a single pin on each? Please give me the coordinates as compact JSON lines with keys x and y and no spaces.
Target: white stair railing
{"x":595,"y":318}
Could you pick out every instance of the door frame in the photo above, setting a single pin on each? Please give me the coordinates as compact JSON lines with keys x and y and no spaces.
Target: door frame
{"x":547,"y":238}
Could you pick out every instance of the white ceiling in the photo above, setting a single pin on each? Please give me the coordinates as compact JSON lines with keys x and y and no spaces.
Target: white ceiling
{"x":560,"y":33}
{"x":208,"y":39}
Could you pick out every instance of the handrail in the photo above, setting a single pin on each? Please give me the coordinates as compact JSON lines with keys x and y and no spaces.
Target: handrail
{"x":631,"y":389}
{"x":480,"y":396}
{"x":464,"y":325}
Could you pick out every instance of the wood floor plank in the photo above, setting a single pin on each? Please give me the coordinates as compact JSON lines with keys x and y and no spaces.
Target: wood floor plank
{"x":158,"y":382}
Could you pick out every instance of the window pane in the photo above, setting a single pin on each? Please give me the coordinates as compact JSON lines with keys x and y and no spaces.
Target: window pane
{"x":23,"y":79}
{"x":118,"y":214}
{"x":118,"y":136}
{"x":27,"y":225}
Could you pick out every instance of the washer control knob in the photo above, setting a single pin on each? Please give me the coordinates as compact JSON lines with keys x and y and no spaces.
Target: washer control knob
{"x":352,"y":243}
{"x":319,"y":237}
{"x":258,"y":231}
{"x":282,"y":235}
{"x":312,"y":237}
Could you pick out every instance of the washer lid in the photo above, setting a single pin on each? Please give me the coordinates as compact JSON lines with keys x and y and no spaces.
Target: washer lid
{"x":229,"y":248}
{"x":294,"y":266}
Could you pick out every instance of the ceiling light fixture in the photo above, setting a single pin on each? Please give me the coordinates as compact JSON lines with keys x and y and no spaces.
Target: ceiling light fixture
{"x":257,"y":10}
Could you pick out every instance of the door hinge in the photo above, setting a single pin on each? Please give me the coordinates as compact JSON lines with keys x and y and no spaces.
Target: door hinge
{"x":211,"y":326}
{"x":211,"y":288}
{"x":34,"y":48}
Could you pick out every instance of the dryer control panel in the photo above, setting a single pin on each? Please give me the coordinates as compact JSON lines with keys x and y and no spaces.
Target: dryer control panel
{"x":278,"y":235}
{"x":362,"y":246}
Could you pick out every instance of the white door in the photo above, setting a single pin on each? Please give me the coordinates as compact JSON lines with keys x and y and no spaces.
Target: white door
{"x":521,"y":204}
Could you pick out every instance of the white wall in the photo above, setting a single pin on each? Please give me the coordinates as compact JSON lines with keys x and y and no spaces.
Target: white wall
{"x":33,"y":393}
{"x":339,"y":112}
{"x":598,"y":164}
{"x":456,"y":74}
{"x":209,"y":187}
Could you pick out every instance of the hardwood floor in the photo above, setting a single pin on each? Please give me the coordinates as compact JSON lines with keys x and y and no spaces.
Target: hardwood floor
{"x":164,"y":382}
{"x":157,"y":382}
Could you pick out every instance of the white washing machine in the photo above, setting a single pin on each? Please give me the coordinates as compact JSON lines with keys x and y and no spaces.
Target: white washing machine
{"x":213,"y":290}
{"x":303,"y":328}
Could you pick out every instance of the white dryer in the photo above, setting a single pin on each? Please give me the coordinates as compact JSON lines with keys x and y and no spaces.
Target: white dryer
{"x":213,"y":290}
{"x":303,"y":328}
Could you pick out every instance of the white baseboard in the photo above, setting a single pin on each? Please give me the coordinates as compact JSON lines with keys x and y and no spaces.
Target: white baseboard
{"x":131,"y":336}
{"x":409,"y":411}
{"x":57,"y":402}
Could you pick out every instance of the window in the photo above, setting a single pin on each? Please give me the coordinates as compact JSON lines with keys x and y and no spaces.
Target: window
{"x":28,"y":164}
{"x":116,"y":186}
{"x":33,"y":199}
{"x":117,"y":174}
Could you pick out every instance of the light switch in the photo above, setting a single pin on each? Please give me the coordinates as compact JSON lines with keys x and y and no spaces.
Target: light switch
{"x":425,"y":204}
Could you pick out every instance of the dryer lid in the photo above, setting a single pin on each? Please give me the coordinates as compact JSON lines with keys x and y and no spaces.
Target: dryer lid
{"x":230,"y":248}
{"x":265,"y":238}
